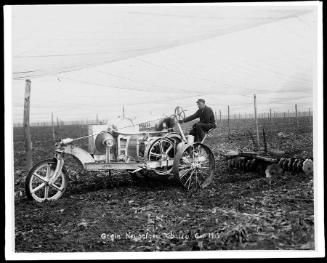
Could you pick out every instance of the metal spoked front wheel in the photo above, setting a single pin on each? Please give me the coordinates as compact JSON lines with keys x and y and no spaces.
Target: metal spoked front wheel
{"x":39,"y":183}
{"x":194,"y":166}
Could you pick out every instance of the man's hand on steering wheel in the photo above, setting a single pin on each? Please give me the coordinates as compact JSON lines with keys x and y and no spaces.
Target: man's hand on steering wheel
{"x":180,"y":114}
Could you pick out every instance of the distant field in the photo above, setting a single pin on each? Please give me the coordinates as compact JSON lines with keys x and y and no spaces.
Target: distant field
{"x":241,"y":209}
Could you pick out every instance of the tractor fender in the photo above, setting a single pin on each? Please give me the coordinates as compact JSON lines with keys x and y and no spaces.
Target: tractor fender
{"x":79,"y":154}
{"x":182,"y":146}
{"x":207,"y":147}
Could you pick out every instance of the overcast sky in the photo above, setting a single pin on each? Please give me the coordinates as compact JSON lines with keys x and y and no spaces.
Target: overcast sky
{"x":84,"y":60}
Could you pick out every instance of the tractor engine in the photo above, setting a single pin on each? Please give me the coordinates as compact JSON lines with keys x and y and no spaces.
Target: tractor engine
{"x":122,"y":147}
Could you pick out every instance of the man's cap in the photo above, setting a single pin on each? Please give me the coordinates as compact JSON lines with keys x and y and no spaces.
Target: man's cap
{"x":201,"y":100}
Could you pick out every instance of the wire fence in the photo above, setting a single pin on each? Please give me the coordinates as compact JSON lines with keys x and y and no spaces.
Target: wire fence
{"x":302,"y":117}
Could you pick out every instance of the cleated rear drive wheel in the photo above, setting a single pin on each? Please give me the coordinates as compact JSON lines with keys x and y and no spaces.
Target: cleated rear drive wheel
{"x":194,"y":166}
{"x":39,"y":186}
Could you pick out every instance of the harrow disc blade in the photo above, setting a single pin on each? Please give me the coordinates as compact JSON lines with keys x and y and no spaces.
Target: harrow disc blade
{"x":308,"y":167}
{"x":285,"y":164}
{"x":229,"y":163}
{"x":253,"y":164}
{"x":290,"y":164}
{"x":247,"y":165}
{"x":294,"y":167}
{"x":299,"y":165}
{"x":242,"y":164}
{"x":280,"y":162}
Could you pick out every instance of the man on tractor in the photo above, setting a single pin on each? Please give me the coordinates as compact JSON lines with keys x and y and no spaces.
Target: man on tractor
{"x":207,"y":120}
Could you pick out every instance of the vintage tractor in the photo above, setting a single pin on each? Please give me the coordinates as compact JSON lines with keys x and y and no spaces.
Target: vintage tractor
{"x":163,"y":152}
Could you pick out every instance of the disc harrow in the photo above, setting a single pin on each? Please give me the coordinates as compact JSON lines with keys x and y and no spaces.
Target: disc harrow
{"x":253,"y":163}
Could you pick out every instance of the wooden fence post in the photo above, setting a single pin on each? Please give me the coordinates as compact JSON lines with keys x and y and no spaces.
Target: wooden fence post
{"x":220,"y":116}
{"x":297,"y":122}
{"x":53,"y":130}
{"x":228,"y":120}
{"x":256,"y":119}
{"x":264,"y":140}
{"x":27,"y":132}
{"x":220,"y":123}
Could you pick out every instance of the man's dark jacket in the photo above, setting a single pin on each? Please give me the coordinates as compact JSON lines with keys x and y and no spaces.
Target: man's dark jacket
{"x":206,"y":116}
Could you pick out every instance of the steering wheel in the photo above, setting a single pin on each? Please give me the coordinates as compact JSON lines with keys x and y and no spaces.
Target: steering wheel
{"x":179,"y":113}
